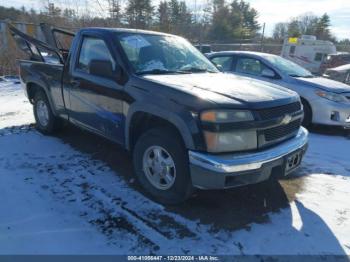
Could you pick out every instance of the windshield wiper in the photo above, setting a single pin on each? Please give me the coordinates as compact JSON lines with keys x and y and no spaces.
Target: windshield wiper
{"x":198,"y":70}
{"x":160,"y":72}
{"x":306,"y":76}
{"x":309,"y":76}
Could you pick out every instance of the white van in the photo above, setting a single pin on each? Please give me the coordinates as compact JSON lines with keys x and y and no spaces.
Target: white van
{"x":307,"y":51}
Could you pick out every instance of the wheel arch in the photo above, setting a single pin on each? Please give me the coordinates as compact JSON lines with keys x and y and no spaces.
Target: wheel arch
{"x":141,"y":118}
{"x":305,"y":101}
{"x":33,"y":87}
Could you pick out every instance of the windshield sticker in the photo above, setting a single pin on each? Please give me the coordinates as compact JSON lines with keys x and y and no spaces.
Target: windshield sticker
{"x":136,"y":41}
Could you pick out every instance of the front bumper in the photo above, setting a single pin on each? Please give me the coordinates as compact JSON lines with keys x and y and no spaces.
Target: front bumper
{"x":210,"y":171}
{"x":327,"y":112}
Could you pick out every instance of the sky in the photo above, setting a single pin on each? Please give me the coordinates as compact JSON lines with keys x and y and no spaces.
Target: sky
{"x":270,"y":11}
{"x":274,"y":11}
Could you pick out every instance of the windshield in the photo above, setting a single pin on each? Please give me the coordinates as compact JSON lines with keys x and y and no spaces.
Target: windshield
{"x":288,"y":67}
{"x":157,"y":54}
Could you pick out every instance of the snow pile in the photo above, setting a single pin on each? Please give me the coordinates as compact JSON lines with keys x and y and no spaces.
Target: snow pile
{"x":15,"y":108}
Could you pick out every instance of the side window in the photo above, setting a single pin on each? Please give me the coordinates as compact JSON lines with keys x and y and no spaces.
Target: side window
{"x":225,"y":62}
{"x":318,"y":57}
{"x":249,"y":66}
{"x":93,"y":49}
{"x":292,"y":50}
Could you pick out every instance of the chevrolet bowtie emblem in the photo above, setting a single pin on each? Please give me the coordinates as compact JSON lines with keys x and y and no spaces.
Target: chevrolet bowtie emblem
{"x":286,"y":119}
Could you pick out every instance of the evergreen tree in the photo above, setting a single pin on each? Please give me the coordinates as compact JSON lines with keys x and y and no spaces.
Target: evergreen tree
{"x":180,"y":18}
{"x":221,"y":26}
{"x":244,"y":19}
{"x":139,"y":13}
{"x":234,"y":21}
{"x":293,"y":28}
{"x":164,"y":13}
{"x":323,"y":28}
{"x":115,"y":10}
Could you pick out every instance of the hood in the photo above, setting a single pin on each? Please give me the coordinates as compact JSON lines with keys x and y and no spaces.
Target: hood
{"x":324,"y":83}
{"x":221,"y":88}
{"x":342,"y":68}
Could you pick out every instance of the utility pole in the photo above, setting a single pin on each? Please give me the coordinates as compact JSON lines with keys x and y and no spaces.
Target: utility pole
{"x":262,"y":39}
{"x":196,"y":24}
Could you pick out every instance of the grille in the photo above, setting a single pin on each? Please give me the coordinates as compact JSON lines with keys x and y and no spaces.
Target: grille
{"x":281,"y":131}
{"x":279,"y":111}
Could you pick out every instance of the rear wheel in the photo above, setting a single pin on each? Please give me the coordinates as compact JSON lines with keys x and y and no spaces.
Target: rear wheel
{"x":161,"y":166}
{"x":307,"y":114}
{"x":46,"y":122}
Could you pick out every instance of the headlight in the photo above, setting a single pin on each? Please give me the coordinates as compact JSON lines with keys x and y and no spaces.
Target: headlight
{"x":227,"y":116}
{"x":237,"y":140}
{"x":332,"y":96}
{"x":231,"y":141}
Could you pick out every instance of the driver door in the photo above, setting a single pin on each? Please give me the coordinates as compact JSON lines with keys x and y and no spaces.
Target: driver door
{"x":95,"y":101}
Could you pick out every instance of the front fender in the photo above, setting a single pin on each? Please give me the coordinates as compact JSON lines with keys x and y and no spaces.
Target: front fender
{"x":185,"y":124}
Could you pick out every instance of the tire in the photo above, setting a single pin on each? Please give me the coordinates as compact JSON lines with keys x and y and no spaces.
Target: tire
{"x":46,"y":122}
{"x":307,"y":121}
{"x":168,"y":143}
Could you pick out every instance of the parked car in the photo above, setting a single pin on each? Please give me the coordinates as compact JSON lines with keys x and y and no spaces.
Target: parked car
{"x":325,"y":101}
{"x":335,"y":60}
{"x":186,"y":124}
{"x":340,"y":73}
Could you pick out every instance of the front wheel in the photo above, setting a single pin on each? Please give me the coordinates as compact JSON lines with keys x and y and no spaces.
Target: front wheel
{"x":45,"y":120}
{"x":307,"y":121}
{"x":161,"y":166}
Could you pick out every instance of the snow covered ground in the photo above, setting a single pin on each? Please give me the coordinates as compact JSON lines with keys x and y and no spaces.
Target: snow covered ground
{"x":74,"y":194}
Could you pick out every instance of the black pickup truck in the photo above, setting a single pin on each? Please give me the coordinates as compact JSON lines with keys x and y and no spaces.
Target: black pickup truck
{"x":186,"y":124}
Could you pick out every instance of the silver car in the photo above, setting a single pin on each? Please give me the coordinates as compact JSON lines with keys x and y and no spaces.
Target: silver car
{"x":340,"y":73}
{"x":325,"y":101}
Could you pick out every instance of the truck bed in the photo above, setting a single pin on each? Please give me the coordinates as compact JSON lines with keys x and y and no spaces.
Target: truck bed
{"x":44,"y":64}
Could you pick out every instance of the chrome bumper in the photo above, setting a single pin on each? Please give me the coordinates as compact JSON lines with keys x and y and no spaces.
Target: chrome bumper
{"x":241,"y":162}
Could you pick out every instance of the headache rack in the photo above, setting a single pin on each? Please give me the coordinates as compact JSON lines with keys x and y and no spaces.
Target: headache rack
{"x":52,"y":50}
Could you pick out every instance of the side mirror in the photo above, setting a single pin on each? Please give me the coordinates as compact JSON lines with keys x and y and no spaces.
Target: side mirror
{"x":104,"y":68}
{"x":268,"y":73}
{"x":221,"y":69}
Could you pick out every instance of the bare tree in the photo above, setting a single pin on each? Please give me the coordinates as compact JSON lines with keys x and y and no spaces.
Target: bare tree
{"x":307,"y":23}
{"x":280,"y":31}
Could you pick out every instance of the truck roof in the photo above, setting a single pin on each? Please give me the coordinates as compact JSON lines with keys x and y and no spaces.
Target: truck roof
{"x":122,"y":30}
